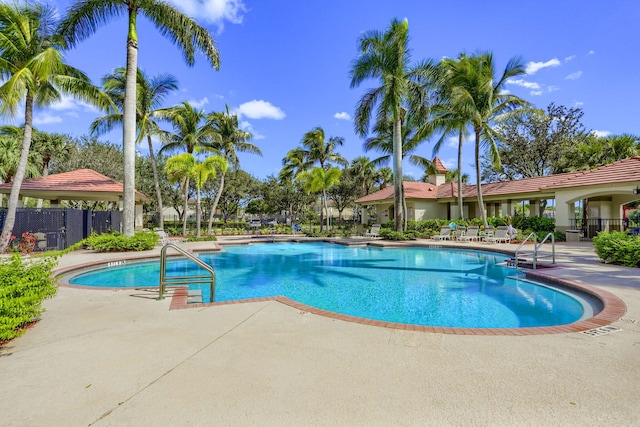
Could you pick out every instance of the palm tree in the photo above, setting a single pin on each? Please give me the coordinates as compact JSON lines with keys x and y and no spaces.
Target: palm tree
{"x":385,"y":56}
{"x":186,"y":166}
{"x":293,"y":164}
{"x":479,"y":95}
{"x":32,"y":70}
{"x":86,"y":16}
{"x":447,"y":117}
{"x":231,"y":139}
{"x":151,"y":93}
{"x":316,"y":148}
{"x":190,"y":135}
{"x":364,"y":171}
{"x":383,"y":177}
{"x":320,"y":180}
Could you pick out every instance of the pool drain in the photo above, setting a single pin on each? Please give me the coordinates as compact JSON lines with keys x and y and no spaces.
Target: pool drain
{"x":601,"y":331}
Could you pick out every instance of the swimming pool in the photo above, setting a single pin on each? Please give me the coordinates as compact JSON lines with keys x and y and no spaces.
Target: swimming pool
{"x":421,"y":286}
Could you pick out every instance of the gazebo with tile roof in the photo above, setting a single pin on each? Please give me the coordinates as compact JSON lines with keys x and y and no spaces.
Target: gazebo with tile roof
{"x":604,"y":191}
{"x":82,"y":184}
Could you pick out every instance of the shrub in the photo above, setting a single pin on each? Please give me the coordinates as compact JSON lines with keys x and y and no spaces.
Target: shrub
{"x":535,"y":223}
{"x":117,"y":242}
{"x":618,"y":247}
{"x":23,"y":287}
{"x":205,"y":238}
{"x":388,"y":234}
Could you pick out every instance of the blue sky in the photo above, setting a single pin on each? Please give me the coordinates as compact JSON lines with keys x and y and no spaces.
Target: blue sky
{"x":285,"y":63}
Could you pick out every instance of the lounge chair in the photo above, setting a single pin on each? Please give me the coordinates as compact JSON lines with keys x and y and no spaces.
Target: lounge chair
{"x":471,"y":234}
{"x":445,"y":234}
{"x":374,"y":232}
{"x":501,"y":235}
{"x":457,"y":233}
{"x":164,"y":237}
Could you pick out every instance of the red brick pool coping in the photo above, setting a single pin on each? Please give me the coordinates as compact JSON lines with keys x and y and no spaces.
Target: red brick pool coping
{"x":613,"y":307}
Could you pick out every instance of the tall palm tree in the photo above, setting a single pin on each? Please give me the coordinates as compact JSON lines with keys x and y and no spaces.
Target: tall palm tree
{"x":151,"y":93}
{"x":231,"y":140}
{"x":86,"y":16}
{"x":477,"y":93}
{"x":186,"y":166}
{"x":32,"y":70}
{"x":320,"y":180}
{"x":448,"y":117}
{"x":385,"y":56}
{"x":191,"y":134}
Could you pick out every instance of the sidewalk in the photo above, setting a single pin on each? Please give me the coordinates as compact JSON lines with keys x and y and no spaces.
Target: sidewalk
{"x":121,"y":358}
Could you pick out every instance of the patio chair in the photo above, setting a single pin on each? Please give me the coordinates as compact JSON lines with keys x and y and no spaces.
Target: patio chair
{"x":374,"y":232}
{"x":164,"y":237}
{"x":501,"y":235}
{"x":471,"y":234}
{"x":458,"y":233}
{"x":445,"y":234}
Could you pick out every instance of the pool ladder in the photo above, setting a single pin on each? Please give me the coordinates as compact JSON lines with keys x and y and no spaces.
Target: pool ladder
{"x":536,"y":249}
{"x":210,"y":277}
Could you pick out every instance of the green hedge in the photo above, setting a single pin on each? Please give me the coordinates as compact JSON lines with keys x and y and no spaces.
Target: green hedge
{"x":117,"y":242}
{"x":618,"y":247}
{"x":24,"y":284}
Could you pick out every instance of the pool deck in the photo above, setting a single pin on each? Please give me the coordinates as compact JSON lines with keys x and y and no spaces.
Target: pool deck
{"x":121,"y":358}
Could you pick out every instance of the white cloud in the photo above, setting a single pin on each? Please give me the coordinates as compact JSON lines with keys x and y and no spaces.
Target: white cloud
{"x":505,"y":92}
{"x":259,"y":109}
{"x":601,"y":133}
{"x":523,"y":83}
{"x":578,"y":104}
{"x":552,"y":88}
{"x":342,"y":116}
{"x":536,"y":92}
{"x":591,"y":52}
{"x":450,"y":164}
{"x":452,"y":141}
{"x":45,"y":119}
{"x":246,"y":126}
{"x":68,"y":103}
{"x":199,"y":104}
{"x":569,"y":58}
{"x":213,"y":11}
{"x":574,"y":76}
{"x":534,"y":67}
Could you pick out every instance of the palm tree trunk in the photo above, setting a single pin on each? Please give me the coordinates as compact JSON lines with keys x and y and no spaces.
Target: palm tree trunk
{"x":326,"y":207}
{"x":398,"y":190}
{"x":12,"y":205}
{"x":460,"y":205}
{"x":156,"y":182}
{"x":215,"y":204}
{"x":478,"y":186}
{"x":129,"y":130}
{"x":186,"y":206}
{"x":198,"y":212}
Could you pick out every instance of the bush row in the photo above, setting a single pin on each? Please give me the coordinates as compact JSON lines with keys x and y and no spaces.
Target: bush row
{"x":24,"y":284}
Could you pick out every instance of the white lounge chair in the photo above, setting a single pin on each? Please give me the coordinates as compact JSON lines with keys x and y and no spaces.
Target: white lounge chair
{"x":471,"y":234}
{"x":501,"y":235}
{"x":374,"y":232}
{"x":445,"y":234}
{"x":164,"y":237}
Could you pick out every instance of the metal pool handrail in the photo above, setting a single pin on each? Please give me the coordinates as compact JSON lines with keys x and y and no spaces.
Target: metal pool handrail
{"x":184,"y":280}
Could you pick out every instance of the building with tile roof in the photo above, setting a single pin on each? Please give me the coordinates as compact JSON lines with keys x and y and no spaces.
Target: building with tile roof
{"x":602,"y":192}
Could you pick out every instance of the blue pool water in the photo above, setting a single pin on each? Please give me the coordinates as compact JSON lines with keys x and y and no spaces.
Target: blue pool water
{"x":419,"y":286}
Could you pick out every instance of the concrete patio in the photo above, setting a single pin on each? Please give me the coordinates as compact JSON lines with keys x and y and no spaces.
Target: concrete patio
{"x":121,"y":358}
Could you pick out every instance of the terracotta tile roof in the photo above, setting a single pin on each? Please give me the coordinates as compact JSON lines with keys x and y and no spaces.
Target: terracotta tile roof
{"x":440,"y":167}
{"x":626,"y":170}
{"x":412,"y":190}
{"x":80,"y":181}
{"x":623,"y":171}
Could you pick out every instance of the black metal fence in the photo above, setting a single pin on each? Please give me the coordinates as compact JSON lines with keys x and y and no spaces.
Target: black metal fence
{"x":591,"y":227}
{"x":59,"y":228}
